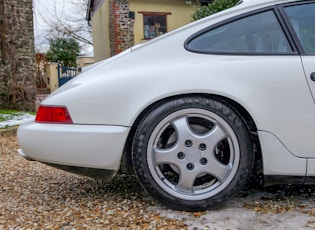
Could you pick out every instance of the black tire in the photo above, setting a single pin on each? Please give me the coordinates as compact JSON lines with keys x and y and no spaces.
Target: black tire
{"x":192,"y":153}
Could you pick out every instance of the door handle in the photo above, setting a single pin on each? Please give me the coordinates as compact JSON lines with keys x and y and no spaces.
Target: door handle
{"x":313,"y":76}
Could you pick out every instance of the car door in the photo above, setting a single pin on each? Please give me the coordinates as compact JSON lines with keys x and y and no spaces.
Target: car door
{"x":265,"y":58}
{"x":302,"y":20}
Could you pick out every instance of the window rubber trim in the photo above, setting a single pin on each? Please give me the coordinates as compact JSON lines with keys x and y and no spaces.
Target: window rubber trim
{"x":288,"y":24}
{"x":279,"y":16}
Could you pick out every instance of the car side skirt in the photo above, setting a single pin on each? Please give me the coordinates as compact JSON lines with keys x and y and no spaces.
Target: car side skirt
{"x":274,"y":180}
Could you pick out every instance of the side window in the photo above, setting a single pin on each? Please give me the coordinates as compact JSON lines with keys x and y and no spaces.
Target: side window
{"x":259,"y":33}
{"x":302,"y":19}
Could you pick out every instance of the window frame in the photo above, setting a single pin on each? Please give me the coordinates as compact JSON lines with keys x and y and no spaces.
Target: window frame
{"x":154,"y":14}
{"x":286,"y":30}
{"x":291,"y":30}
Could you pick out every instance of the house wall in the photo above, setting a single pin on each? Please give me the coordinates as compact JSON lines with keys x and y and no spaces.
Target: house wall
{"x":120,"y":26}
{"x":51,"y":76}
{"x":114,"y":30}
{"x":51,"y":71}
{"x":83,"y":61}
{"x":100,"y":31}
{"x":180,"y":14}
{"x":95,"y":4}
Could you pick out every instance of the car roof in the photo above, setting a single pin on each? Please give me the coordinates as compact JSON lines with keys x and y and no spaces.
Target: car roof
{"x":246,"y":6}
{"x":242,"y":7}
{"x":248,"y":3}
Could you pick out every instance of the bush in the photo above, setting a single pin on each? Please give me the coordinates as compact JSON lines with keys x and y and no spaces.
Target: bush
{"x":212,"y":8}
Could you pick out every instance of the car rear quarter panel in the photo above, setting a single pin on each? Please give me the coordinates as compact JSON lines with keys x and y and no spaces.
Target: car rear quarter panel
{"x":272,"y":89}
{"x":267,"y":87}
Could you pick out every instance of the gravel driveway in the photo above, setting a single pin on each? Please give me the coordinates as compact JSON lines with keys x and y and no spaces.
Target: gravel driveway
{"x":35,"y":196}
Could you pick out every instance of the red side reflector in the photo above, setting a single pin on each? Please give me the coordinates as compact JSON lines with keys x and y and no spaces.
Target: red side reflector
{"x":53,"y":114}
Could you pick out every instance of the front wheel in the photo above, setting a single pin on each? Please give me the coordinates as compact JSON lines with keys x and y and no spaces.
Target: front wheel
{"x":192,"y":153}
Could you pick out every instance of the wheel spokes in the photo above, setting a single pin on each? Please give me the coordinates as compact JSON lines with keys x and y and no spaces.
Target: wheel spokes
{"x":165,"y":156}
{"x":214,"y":136}
{"x":217,"y":169}
{"x":186,"y":181}
{"x":192,"y":155}
{"x":183,"y":130}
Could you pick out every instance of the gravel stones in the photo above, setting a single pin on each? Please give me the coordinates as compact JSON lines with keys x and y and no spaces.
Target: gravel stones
{"x":36,"y":196}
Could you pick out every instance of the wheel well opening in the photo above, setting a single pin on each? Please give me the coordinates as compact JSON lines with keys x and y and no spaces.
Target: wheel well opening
{"x":257,"y":175}
{"x":256,"y":179}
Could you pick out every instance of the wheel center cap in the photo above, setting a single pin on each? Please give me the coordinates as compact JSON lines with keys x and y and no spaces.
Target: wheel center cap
{"x":193,"y":155}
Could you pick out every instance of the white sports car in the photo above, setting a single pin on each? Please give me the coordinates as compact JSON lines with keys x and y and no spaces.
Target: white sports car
{"x":193,"y":113}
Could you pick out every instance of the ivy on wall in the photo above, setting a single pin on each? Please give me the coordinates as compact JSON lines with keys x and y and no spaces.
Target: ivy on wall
{"x":212,"y":8}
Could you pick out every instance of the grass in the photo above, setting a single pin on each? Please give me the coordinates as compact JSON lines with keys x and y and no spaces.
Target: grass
{"x":6,"y":115}
{"x":10,"y":114}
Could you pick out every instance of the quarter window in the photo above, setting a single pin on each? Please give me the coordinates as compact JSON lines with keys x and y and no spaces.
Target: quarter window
{"x":259,"y":33}
{"x":302,"y":19}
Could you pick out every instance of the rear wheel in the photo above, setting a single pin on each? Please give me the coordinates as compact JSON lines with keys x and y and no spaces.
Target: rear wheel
{"x":192,"y":153}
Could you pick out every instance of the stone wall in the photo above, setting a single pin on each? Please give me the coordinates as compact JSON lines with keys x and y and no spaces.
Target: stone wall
{"x":17,"y":55}
{"x":121,"y":27}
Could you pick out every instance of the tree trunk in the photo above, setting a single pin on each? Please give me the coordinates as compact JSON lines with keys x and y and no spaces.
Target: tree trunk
{"x":17,"y":55}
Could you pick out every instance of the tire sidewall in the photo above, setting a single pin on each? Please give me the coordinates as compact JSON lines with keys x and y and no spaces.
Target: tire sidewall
{"x":155,"y":116}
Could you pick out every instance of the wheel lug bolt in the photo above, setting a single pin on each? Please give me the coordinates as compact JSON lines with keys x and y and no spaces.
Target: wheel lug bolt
{"x":180,"y":155}
{"x":202,"y":147}
{"x":190,"y":166}
{"x":188,"y":143}
{"x":203,"y":161}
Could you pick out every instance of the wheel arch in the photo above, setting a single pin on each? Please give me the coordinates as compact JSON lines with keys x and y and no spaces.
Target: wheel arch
{"x":126,"y":163}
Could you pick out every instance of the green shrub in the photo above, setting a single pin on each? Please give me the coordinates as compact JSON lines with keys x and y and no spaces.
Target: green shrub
{"x":212,"y":8}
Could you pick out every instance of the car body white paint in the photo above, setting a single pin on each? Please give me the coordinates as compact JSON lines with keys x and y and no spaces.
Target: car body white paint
{"x":105,"y":101}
